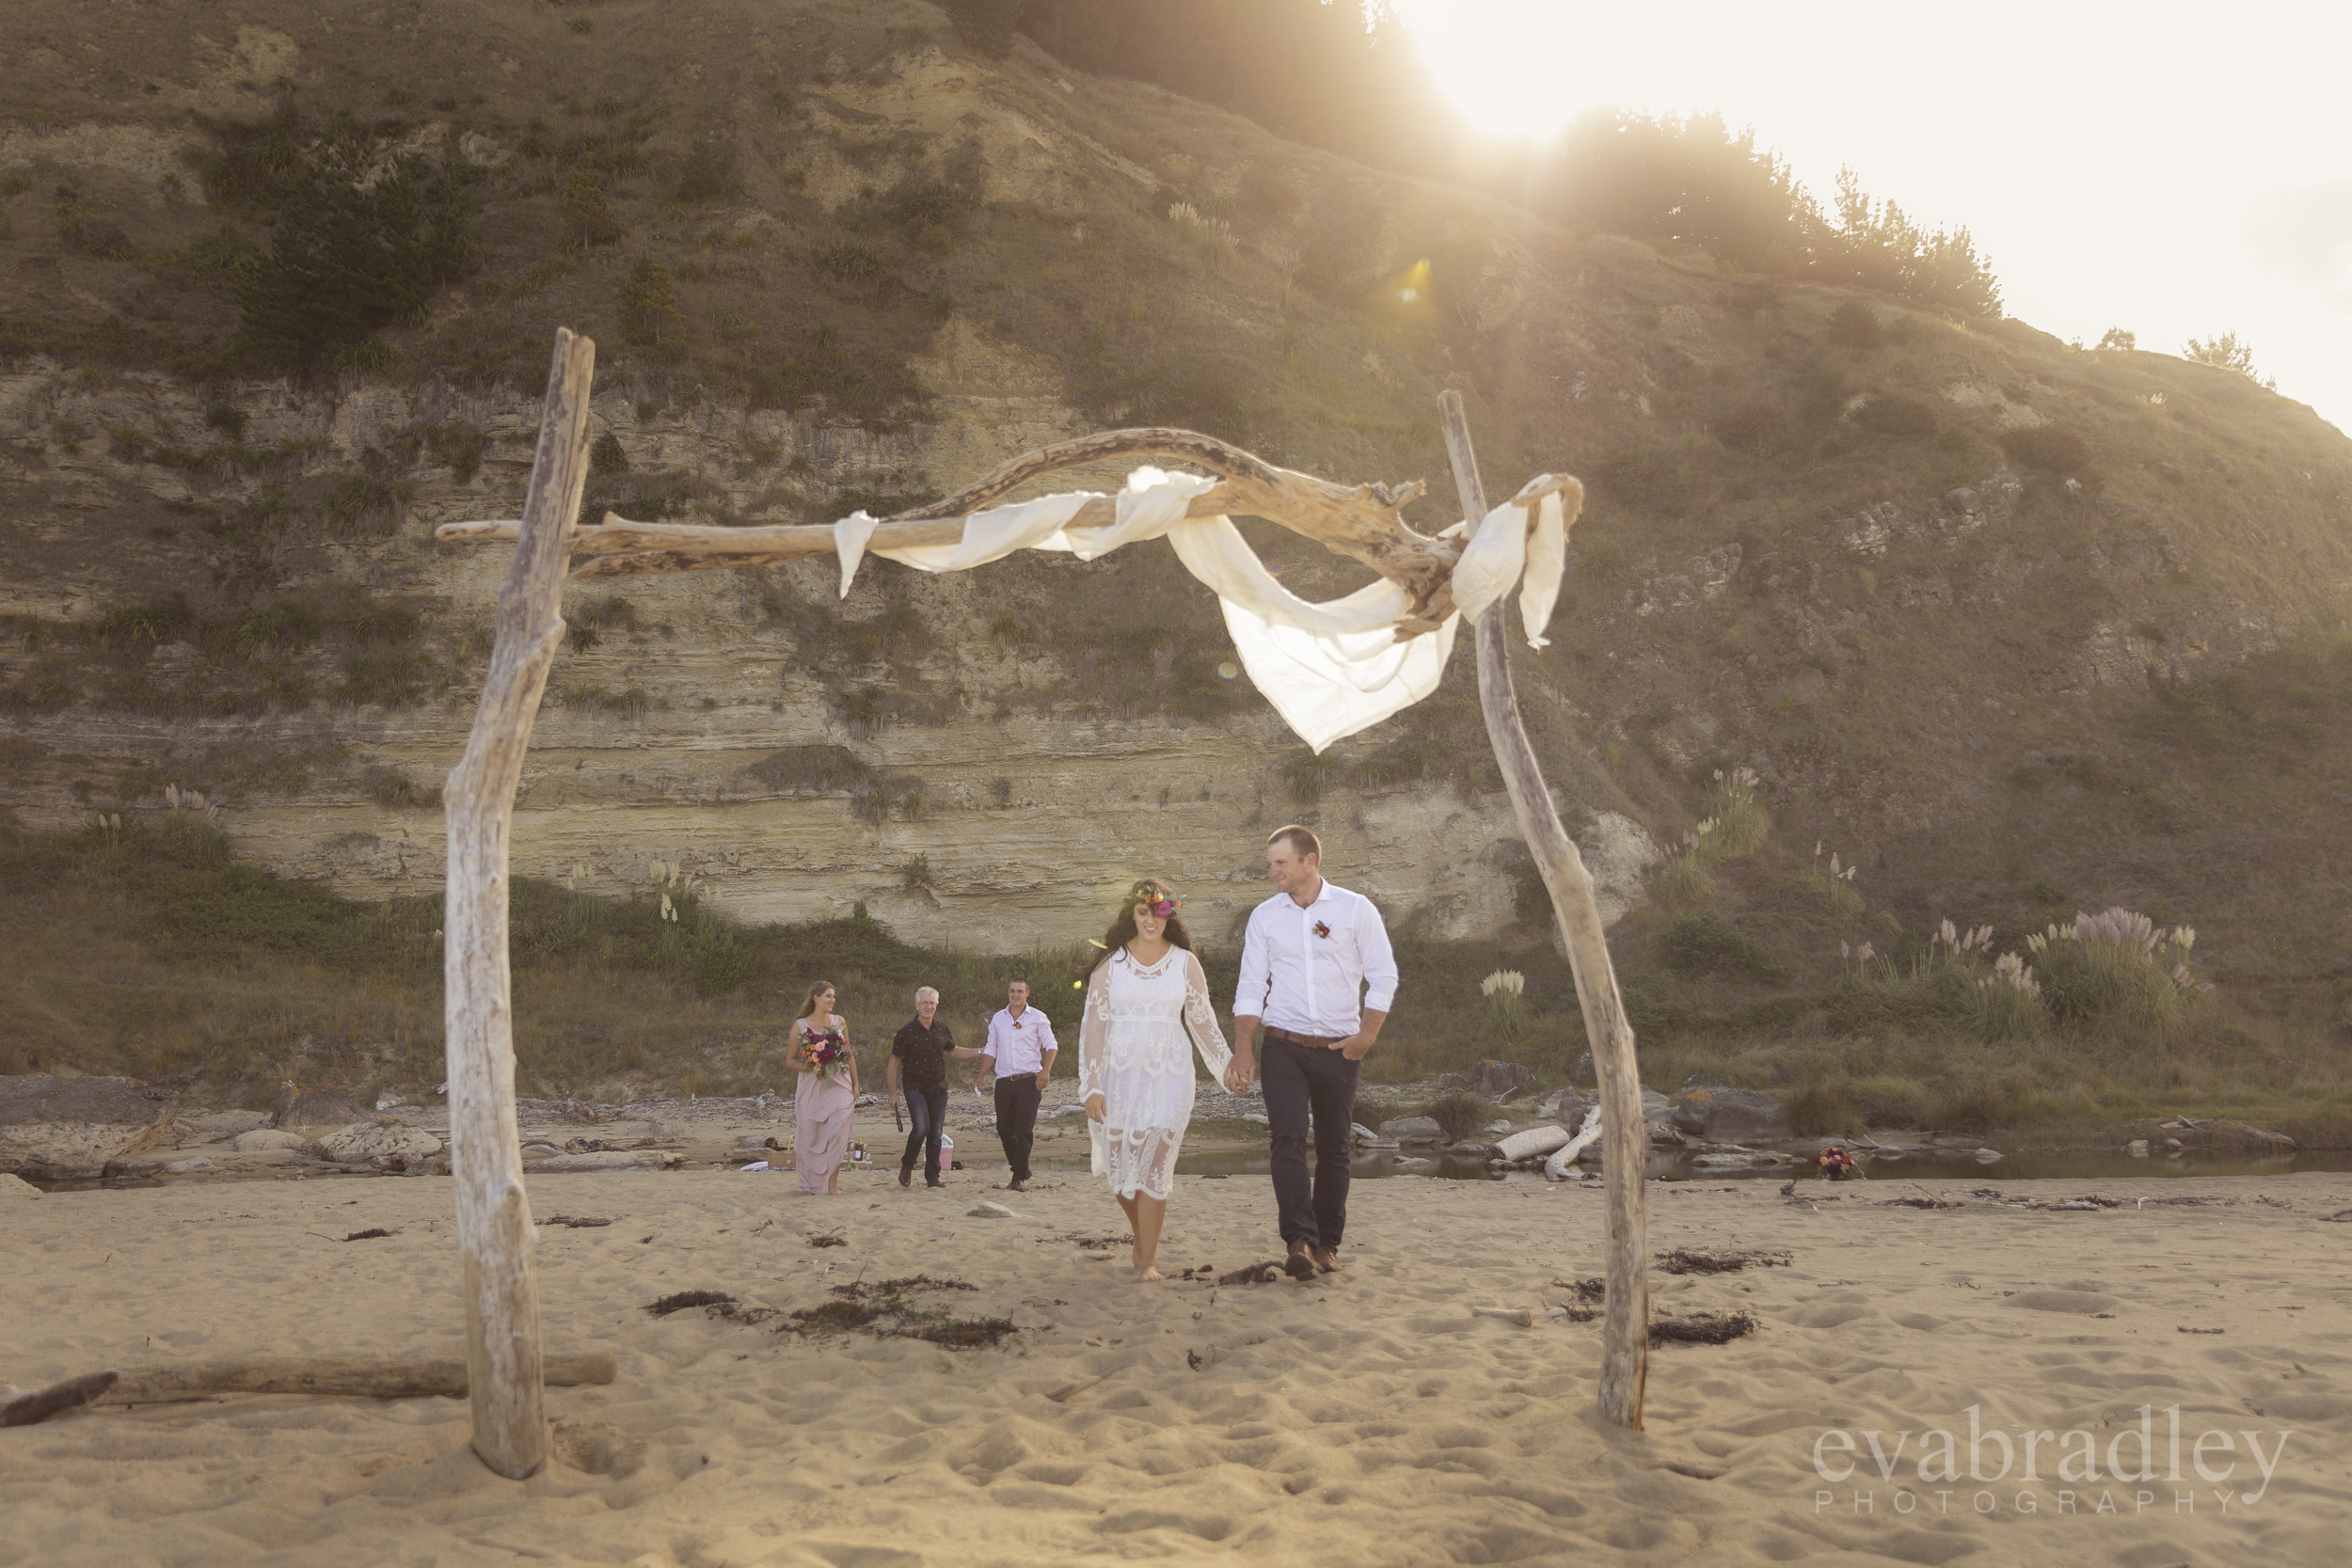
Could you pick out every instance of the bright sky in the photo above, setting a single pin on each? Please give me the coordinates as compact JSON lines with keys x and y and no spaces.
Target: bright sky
{"x":2171,"y":170}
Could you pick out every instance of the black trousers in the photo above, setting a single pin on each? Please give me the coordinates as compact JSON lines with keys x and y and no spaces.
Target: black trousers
{"x":1016,"y":1120}
{"x":927,"y":1111}
{"x":1297,"y":1079}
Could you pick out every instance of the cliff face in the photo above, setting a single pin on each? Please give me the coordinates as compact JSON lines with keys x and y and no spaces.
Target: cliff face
{"x":1839,"y":556}
{"x":696,"y":728}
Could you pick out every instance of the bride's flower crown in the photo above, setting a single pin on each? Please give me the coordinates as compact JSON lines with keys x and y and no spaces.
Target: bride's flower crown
{"x":1155,"y":898}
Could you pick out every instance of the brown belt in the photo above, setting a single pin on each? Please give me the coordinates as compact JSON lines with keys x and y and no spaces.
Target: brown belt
{"x":1317,"y":1040}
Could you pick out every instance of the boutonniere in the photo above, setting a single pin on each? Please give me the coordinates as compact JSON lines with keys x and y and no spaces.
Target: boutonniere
{"x":1320,"y":929}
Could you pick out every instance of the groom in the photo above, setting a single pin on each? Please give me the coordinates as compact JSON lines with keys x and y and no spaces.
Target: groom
{"x":1310,"y":952}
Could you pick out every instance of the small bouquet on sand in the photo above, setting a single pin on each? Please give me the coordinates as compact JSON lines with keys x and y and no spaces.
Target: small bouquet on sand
{"x":1838,"y":1166}
{"x":827,"y":1053}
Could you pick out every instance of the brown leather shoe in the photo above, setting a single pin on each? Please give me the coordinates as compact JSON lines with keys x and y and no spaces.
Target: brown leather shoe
{"x":1328,"y":1259}
{"x":906,"y":1176}
{"x":1300,"y":1264}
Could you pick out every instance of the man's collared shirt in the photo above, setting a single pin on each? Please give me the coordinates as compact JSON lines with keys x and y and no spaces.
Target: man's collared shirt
{"x":1020,"y":1044}
{"x":1304,"y":970}
{"x":923,"y":1054}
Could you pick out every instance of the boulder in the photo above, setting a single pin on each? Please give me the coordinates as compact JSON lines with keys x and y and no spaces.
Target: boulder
{"x":1413,"y":1130}
{"x":213,"y":1126}
{"x":12,"y":1187}
{"x":1732,"y":1115}
{"x":262,"y":1139}
{"x":363,"y":1141}
{"x":1472,"y":1148}
{"x":1533,"y":1141}
{"x":1655,"y":1106}
{"x":323,"y":1106}
{"x":60,"y":1128}
{"x":189,"y":1168}
{"x":1501,"y":1080}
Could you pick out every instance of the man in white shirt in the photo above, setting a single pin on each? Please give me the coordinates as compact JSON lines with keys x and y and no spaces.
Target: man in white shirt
{"x":1311,"y":953}
{"x":1019,"y":1053}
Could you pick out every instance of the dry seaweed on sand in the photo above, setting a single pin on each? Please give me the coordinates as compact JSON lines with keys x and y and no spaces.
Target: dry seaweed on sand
{"x":1252,"y":1274}
{"x":1702,"y":1328}
{"x":366,"y":1235}
{"x":718,"y":1304}
{"x":1683,"y":1261}
{"x":885,"y":1311}
{"x":574,"y":1222}
{"x":1588,"y":1289}
{"x":1918,"y":1203}
{"x":825,"y":1239}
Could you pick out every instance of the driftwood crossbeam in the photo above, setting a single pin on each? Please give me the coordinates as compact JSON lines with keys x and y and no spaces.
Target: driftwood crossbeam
{"x":1364,"y":523}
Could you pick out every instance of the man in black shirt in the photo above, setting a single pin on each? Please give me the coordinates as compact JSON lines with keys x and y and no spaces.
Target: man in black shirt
{"x":920,"y":1057}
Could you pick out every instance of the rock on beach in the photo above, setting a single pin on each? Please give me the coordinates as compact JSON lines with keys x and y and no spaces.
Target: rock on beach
{"x":64,"y":1128}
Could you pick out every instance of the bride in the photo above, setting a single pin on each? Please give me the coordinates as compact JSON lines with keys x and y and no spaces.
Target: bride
{"x":1144,"y":990}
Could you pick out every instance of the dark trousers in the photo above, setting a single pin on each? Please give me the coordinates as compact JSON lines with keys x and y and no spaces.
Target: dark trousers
{"x":1016,"y":1120}
{"x":1297,"y":1078}
{"x":927,"y":1109}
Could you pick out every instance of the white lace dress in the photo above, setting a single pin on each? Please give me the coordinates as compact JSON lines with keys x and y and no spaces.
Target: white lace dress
{"x":1134,"y":1051}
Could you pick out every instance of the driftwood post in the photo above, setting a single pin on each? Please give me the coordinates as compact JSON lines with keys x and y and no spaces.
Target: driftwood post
{"x":503,"y":1360}
{"x":1624,"y":1324}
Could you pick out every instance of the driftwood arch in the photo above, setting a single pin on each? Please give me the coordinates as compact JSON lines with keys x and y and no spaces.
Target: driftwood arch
{"x":505,"y":1358}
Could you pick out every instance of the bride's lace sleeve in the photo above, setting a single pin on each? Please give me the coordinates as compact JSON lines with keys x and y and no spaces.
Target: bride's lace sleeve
{"x":1200,"y":1018}
{"x":1091,"y":1031}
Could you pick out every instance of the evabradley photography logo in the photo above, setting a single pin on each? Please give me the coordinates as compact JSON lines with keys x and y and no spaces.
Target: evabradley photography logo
{"x":2129,"y":1466}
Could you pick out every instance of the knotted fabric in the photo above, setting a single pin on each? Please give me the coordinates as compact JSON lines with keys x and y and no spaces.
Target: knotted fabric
{"x":1330,"y":669}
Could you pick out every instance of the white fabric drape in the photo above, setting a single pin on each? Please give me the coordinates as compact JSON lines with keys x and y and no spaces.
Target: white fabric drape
{"x":1330,"y":669}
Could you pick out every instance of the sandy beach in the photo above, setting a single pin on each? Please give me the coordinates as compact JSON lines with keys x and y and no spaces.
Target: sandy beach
{"x":1368,"y":1417}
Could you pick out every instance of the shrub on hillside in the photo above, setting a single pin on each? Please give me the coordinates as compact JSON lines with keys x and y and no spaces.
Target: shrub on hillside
{"x":1854,"y":325}
{"x":1894,"y":414}
{"x":2047,"y":448}
{"x":1705,"y":942}
{"x":987,"y":25}
{"x":355,"y":244}
{"x":2116,"y":965}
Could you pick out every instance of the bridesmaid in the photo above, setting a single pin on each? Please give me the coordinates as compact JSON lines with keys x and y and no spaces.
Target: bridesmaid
{"x":825,"y":1101}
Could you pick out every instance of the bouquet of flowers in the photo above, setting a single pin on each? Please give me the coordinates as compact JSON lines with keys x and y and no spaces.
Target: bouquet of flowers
{"x":827,"y":1053}
{"x":1838,"y":1166}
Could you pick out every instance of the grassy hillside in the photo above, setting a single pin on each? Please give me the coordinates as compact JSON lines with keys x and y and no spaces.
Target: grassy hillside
{"x":2020,"y":629}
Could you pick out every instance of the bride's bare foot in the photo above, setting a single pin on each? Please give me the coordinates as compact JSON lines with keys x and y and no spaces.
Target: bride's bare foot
{"x":1148,"y":1276}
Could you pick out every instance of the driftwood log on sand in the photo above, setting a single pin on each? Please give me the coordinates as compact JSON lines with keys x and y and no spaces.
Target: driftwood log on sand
{"x":345,"y":1376}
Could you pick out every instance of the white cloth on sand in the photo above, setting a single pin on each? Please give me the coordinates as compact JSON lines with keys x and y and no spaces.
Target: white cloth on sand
{"x":1330,"y":669}
{"x":1134,"y":1051}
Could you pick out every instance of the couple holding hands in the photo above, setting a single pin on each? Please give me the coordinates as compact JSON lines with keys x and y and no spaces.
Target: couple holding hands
{"x":1307,"y":958}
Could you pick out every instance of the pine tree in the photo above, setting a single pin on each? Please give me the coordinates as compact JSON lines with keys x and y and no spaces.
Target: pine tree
{"x":587,"y":216}
{"x":648,"y":299}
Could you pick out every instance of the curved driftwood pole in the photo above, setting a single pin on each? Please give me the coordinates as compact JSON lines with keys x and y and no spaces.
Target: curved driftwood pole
{"x":1362,"y":522}
{"x":347,"y":1376}
{"x":1624,"y":1324}
{"x":494,"y":1235}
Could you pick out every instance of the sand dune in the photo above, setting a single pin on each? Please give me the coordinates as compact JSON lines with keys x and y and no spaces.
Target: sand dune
{"x":1366,"y":1419}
